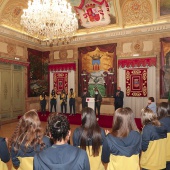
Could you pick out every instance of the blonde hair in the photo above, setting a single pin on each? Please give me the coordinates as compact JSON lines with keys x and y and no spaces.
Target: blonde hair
{"x":149,"y":117}
{"x":28,"y":132}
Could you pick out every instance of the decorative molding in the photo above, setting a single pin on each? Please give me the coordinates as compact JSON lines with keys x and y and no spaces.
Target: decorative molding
{"x":117,"y":33}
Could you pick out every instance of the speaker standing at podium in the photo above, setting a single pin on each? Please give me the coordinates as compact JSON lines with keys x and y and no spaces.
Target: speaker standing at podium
{"x":85,"y":95}
{"x":98,"y":100}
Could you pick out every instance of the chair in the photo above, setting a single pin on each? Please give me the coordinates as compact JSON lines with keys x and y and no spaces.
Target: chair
{"x":3,"y":166}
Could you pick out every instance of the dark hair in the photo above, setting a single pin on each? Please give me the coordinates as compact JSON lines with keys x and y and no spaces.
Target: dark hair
{"x":149,"y":117}
{"x":28,"y":132}
{"x":52,"y":92}
{"x":90,"y":130}
{"x":162,"y":110}
{"x":71,"y":89}
{"x":168,"y":110}
{"x":49,"y":120}
{"x":59,"y":128}
{"x":151,"y":99}
{"x":123,"y":122}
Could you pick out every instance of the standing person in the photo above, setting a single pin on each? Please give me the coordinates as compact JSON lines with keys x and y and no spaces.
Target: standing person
{"x":89,"y":136}
{"x":154,"y":135}
{"x":98,"y":100}
{"x":53,"y":100}
{"x":4,"y":154}
{"x":164,"y":117}
{"x":63,"y":101}
{"x":151,"y":104}
{"x":119,"y":95}
{"x":27,"y":140}
{"x":84,"y":95}
{"x":122,"y":146}
{"x":61,"y":155}
{"x":43,"y":103}
{"x":72,"y":96}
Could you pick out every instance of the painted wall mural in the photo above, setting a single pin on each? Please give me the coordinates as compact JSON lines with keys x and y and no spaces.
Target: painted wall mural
{"x":93,"y":13}
{"x":97,"y":69}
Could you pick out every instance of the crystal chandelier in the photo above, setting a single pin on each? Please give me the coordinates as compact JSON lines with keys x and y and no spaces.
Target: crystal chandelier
{"x":50,"y":20}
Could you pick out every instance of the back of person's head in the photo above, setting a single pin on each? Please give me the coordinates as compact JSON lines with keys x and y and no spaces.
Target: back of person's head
{"x":168,"y":110}
{"x":49,"y":120}
{"x":88,"y":118}
{"x":59,"y":128}
{"x":151,"y":99}
{"x":28,"y":131}
{"x":123,"y":122}
{"x":162,"y":109}
{"x":149,"y":117}
{"x":90,"y":129}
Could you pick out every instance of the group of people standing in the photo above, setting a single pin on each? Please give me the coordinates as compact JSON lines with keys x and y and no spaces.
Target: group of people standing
{"x":63,"y":102}
{"x":124,"y":147}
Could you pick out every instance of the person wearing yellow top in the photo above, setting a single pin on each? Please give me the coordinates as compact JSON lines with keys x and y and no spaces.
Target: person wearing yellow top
{"x":43,"y":103}
{"x":53,"y":100}
{"x":63,"y":101}
{"x":72,"y":102}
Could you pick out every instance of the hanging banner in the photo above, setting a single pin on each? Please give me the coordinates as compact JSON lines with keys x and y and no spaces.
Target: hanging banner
{"x":60,"y":82}
{"x":136,"y":82}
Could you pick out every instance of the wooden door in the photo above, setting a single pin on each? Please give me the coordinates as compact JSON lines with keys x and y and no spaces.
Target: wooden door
{"x":11,"y":91}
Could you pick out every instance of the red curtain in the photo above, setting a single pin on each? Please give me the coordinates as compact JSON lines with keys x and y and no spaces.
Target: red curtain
{"x":62,"y":67}
{"x":137,"y":62}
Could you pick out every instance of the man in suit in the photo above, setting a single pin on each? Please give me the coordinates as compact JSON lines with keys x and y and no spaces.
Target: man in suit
{"x":84,"y":95}
{"x":119,"y":95}
{"x":98,"y":100}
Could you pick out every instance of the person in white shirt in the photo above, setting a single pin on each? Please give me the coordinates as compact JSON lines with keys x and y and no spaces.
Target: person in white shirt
{"x":152,"y":105}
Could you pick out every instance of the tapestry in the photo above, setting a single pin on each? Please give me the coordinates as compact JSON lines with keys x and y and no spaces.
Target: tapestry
{"x":136,"y":83}
{"x":60,"y":82}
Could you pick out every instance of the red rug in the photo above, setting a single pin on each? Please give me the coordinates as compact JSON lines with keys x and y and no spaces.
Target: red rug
{"x":105,"y":121}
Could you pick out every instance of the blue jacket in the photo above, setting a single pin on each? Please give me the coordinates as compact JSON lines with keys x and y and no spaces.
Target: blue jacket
{"x":30,"y":152}
{"x":62,"y":157}
{"x":4,"y":153}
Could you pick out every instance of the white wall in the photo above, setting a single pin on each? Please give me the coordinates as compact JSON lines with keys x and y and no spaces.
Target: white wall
{"x":137,"y":103}
{"x":71,"y":84}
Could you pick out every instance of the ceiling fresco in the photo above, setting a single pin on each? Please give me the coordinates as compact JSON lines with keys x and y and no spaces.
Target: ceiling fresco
{"x":97,"y":15}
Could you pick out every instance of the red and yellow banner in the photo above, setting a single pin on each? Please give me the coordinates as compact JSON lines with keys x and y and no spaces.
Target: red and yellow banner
{"x":60,"y":82}
{"x":136,"y":82}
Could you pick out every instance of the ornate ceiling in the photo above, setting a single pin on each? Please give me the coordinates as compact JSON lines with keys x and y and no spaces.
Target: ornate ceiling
{"x":122,"y":15}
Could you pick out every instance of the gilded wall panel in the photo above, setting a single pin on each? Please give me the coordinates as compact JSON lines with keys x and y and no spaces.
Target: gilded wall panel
{"x":136,"y":12}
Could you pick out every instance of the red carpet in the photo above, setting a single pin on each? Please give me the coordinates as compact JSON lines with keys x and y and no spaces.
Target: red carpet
{"x":104,"y":121}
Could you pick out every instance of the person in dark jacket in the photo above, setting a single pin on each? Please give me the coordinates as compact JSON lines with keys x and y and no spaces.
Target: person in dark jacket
{"x":119,"y":95}
{"x":84,"y":95}
{"x":121,"y":148}
{"x":163,"y":113}
{"x":27,"y":140}
{"x":4,"y":153}
{"x":98,"y":101}
{"x":53,"y":100}
{"x":90,"y":136}
{"x":61,"y":155}
{"x":154,"y":136}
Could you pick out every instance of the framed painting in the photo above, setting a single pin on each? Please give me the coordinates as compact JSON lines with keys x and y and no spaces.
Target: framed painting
{"x":98,"y":69}
{"x":163,"y":9}
{"x":165,"y":68}
{"x":38,"y":76}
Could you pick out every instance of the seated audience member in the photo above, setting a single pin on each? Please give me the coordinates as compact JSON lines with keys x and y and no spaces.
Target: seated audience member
{"x":89,"y":136}
{"x":61,"y":155}
{"x":153,"y":156}
{"x":27,"y":140}
{"x":151,"y":104}
{"x":164,"y":117}
{"x":122,"y":146}
{"x":4,"y":154}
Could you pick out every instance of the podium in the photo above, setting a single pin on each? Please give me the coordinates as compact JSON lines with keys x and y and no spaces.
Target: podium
{"x":91,"y":102}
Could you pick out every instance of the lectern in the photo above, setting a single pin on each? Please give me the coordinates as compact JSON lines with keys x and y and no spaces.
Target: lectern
{"x":90,"y":102}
